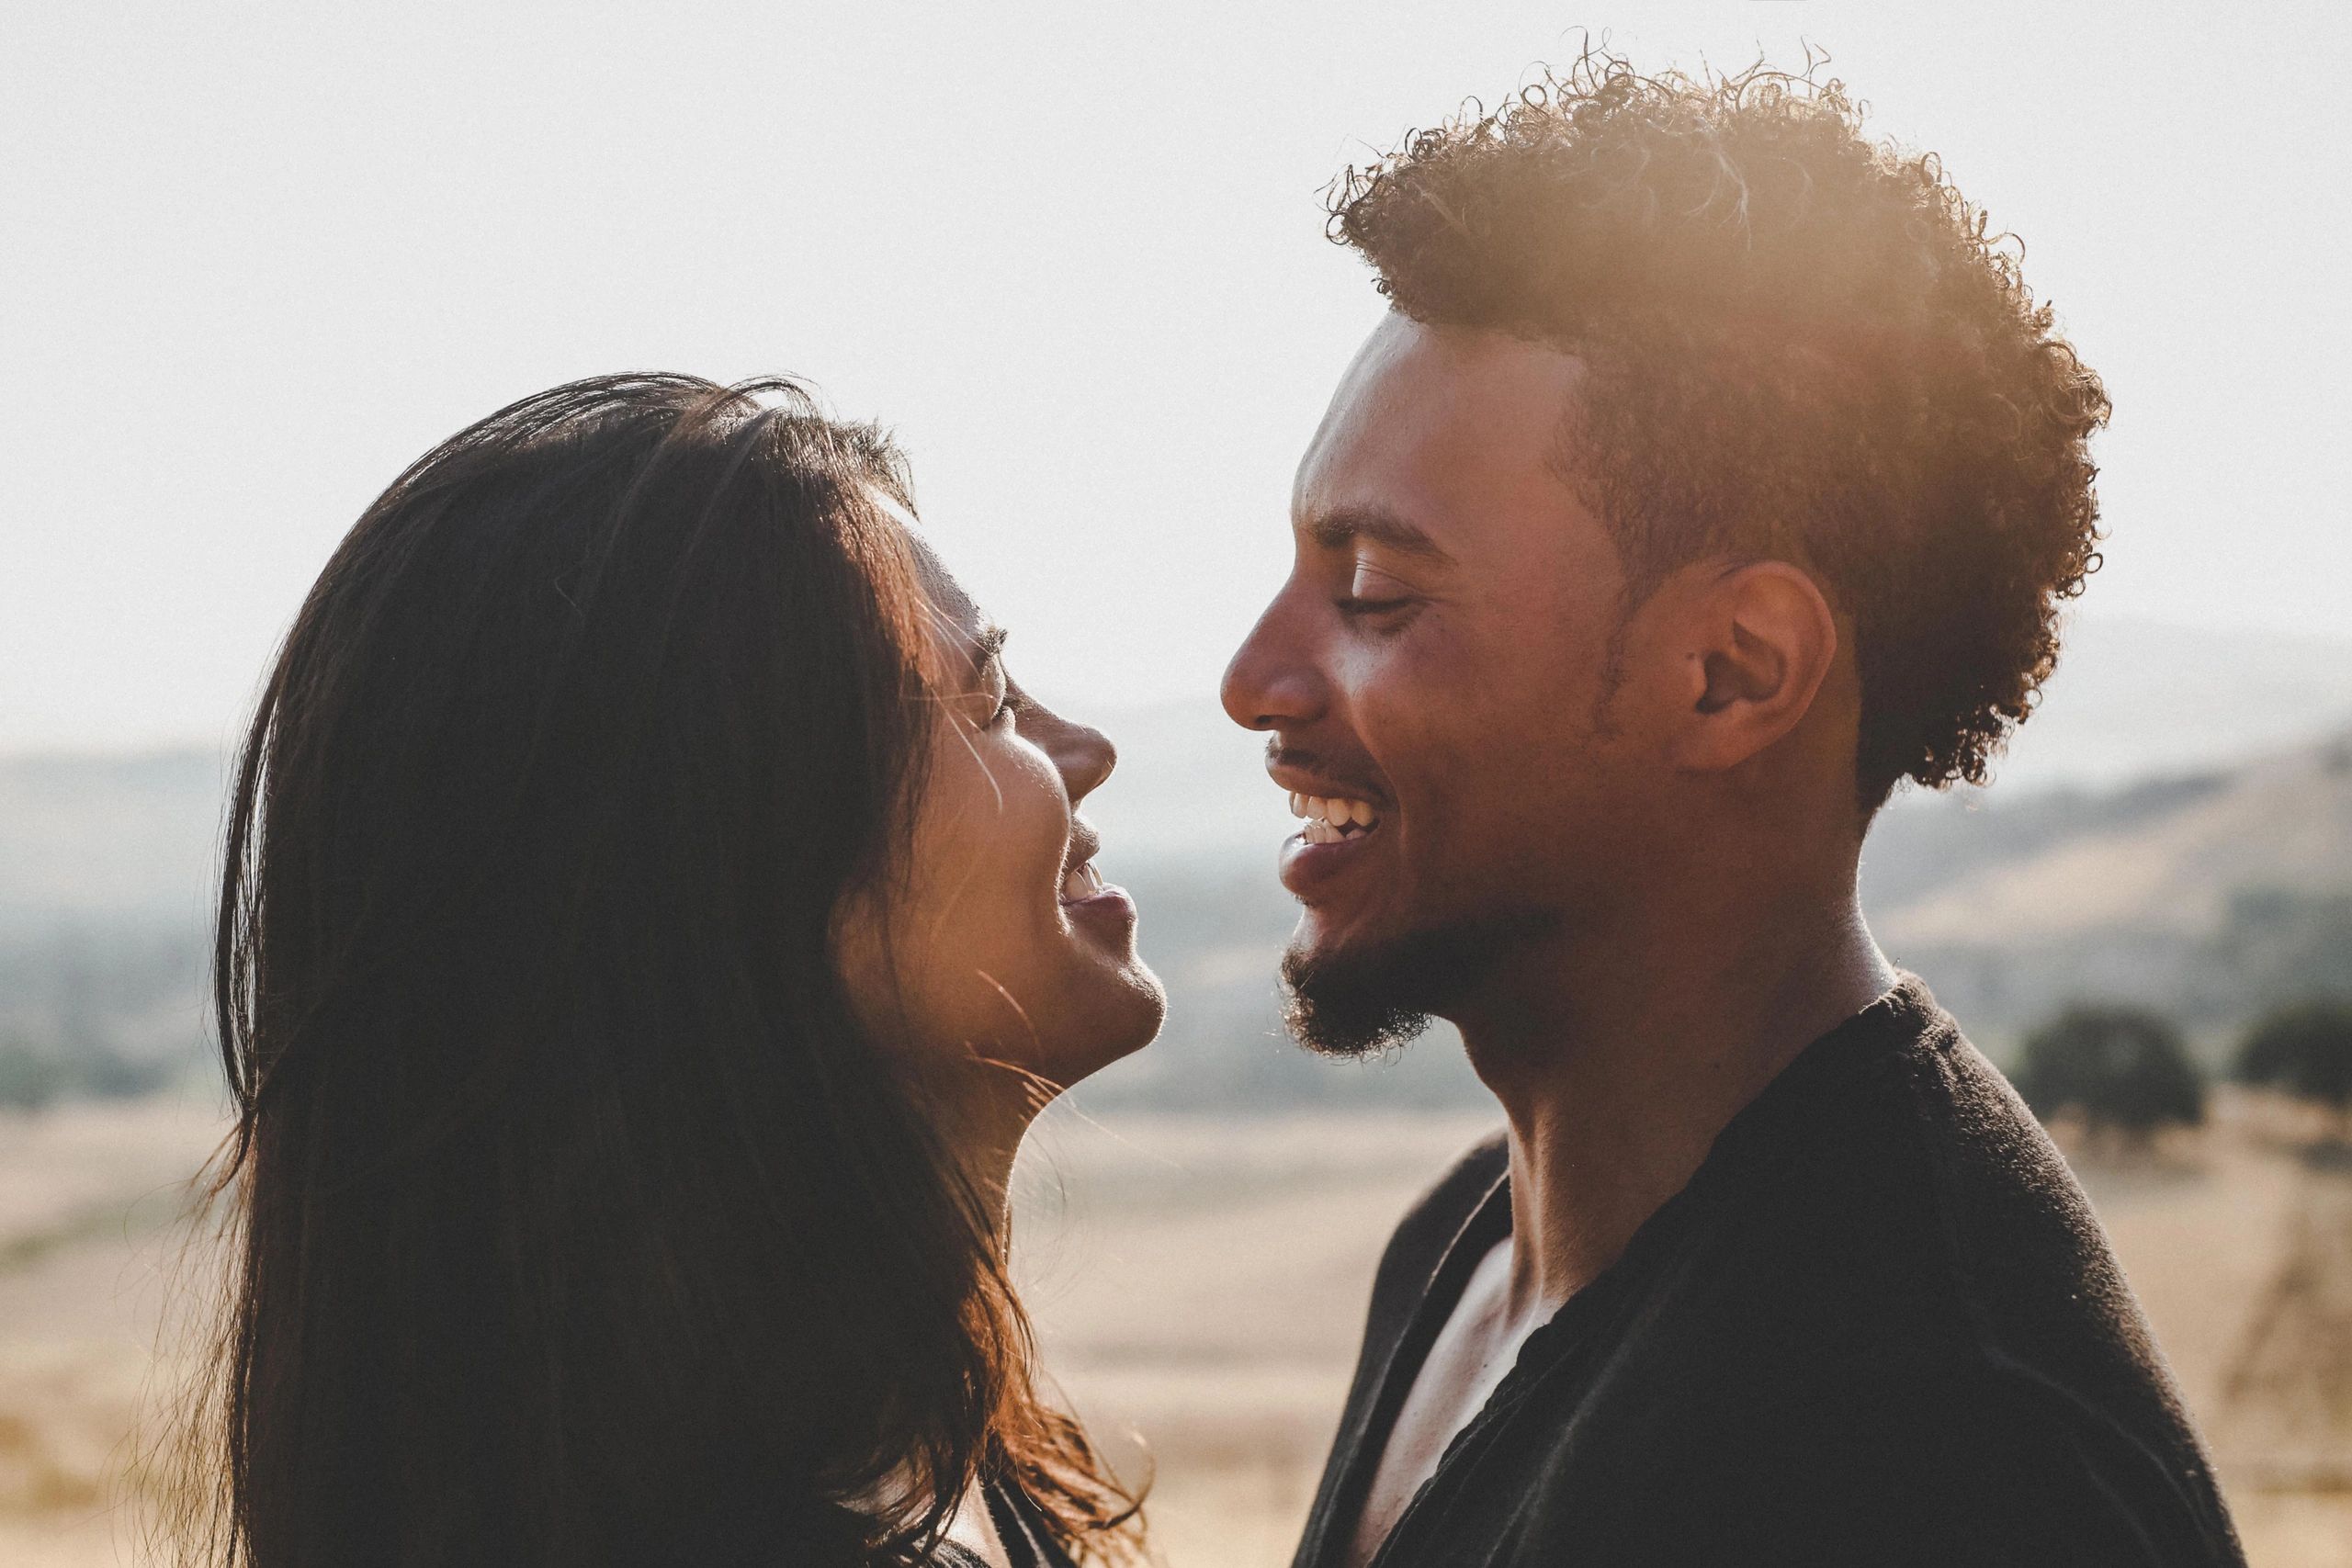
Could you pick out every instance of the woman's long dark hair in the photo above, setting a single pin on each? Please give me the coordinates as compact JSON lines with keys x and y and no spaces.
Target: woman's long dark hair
{"x":577,"y":1223}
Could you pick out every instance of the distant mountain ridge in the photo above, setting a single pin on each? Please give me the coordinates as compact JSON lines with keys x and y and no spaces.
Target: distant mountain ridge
{"x":2208,"y":897}
{"x":2132,"y":701}
{"x":108,"y":837}
{"x":2168,"y":857}
{"x":2204,"y":885}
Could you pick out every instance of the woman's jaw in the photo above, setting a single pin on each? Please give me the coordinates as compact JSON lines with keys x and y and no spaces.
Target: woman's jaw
{"x":1007,"y":948}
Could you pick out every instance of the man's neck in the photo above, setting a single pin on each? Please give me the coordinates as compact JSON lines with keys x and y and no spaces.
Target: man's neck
{"x":1617,"y":1075}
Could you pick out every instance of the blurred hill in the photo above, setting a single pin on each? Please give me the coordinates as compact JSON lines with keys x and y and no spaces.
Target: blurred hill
{"x":2174,"y":798}
{"x":2175,"y":827}
{"x":2207,"y":895}
{"x":107,"y":838}
{"x":2132,"y":700}
{"x":104,"y":865}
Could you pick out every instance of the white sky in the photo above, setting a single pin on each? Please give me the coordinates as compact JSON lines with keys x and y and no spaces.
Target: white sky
{"x":257,"y":257}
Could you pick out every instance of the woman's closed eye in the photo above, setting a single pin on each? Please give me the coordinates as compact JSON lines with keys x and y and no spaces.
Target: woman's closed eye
{"x":994,"y":697}
{"x":1003,"y":694}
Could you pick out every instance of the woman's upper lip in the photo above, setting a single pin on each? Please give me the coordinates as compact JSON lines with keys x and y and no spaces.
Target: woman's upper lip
{"x":1085,"y":843}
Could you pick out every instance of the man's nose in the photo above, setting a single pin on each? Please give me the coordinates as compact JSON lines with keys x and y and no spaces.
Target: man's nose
{"x":1272,"y":681}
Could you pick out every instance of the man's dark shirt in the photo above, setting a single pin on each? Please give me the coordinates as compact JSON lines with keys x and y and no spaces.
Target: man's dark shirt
{"x":1879,"y":1326}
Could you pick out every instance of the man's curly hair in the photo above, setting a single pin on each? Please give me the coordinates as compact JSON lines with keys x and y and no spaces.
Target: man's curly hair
{"x":1799,"y":345}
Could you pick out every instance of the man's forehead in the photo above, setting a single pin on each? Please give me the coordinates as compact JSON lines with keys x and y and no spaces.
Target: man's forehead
{"x":1432,"y":421}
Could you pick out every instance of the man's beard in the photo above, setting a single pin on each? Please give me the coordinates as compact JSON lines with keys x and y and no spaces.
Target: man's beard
{"x":1379,"y":996}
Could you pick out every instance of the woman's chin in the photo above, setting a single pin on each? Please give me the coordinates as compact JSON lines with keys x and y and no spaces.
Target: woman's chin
{"x":1151,"y":1009}
{"x":1123,"y":1018}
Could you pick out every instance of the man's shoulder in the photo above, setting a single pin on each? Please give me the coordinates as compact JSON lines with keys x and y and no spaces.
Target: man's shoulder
{"x":1937,"y":1196}
{"x":1901,"y":1149}
{"x":1902,"y":1292}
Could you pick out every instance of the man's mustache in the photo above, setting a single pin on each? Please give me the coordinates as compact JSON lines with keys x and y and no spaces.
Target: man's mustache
{"x":1354,"y":780}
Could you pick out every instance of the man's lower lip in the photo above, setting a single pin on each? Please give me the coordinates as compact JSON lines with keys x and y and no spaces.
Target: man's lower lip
{"x":1306,"y":867}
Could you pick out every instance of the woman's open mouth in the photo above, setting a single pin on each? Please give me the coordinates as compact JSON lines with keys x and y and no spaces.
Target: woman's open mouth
{"x":1088,"y":900}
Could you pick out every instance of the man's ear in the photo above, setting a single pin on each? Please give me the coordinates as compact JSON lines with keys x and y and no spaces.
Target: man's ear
{"x":1758,"y":641}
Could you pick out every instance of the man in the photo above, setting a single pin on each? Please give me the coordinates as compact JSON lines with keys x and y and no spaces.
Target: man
{"x":1713,"y":474}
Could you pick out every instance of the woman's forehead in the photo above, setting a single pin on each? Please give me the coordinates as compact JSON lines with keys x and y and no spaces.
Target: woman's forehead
{"x":957,"y":613}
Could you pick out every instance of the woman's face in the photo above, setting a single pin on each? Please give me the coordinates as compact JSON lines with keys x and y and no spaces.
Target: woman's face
{"x":1000,"y":944}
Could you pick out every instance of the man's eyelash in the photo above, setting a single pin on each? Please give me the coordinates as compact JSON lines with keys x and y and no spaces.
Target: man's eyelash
{"x":1349,"y":605}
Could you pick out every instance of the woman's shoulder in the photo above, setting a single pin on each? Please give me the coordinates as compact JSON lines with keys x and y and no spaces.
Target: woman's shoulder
{"x":1020,"y":1536}
{"x":1027,"y":1542}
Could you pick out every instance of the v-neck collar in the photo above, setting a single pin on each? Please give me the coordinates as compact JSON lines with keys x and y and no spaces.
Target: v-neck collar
{"x":1745,"y":1136}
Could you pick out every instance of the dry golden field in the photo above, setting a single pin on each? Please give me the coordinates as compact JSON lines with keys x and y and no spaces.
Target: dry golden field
{"x":1198,"y":1283}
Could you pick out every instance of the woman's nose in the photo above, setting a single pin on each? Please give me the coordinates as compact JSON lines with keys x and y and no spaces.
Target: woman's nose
{"x":1088,"y":762}
{"x":1081,"y":754}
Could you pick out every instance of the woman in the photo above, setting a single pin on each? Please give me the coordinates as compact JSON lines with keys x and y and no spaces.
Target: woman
{"x":650,"y":918}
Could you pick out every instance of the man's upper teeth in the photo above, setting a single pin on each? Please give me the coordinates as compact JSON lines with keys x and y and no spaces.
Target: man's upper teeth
{"x":1333,"y":810}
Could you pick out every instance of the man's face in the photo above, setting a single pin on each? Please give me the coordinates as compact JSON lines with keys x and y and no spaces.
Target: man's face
{"x":1440,"y":656}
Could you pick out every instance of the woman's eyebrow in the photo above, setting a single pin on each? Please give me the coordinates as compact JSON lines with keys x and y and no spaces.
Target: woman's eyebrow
{"x":987,"y":643}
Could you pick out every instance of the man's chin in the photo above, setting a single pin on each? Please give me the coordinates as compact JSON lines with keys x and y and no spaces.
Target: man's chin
{"x":1355,"y":998}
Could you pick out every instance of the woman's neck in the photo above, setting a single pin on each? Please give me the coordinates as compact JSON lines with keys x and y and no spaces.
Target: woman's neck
{"x":983,"y":1113}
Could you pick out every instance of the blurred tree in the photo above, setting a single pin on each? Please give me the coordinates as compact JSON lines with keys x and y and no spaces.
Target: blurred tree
{"x":28,"y":1079}
{"x":2304,"y":1049}
{"x":2125,"y":1070}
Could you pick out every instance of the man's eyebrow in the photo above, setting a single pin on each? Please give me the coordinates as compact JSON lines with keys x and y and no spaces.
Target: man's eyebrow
{"x":1337,"y":530}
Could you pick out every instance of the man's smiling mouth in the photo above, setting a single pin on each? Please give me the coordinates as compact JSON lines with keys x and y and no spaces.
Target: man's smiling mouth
{"x":1333,"y":819}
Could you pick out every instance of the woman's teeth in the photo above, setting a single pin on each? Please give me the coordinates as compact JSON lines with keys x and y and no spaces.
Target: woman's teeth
{"x":1332,"y":818}
{"x":1080,"y":882}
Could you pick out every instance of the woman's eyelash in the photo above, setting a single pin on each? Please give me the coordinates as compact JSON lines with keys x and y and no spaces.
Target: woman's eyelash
{"x":1350,"y":605}
{"x":1004,"y":701}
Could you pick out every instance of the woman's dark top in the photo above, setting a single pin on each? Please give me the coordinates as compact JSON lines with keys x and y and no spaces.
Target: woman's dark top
{"x":1879,"y":1326}
{"x":1027,"y":1544}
